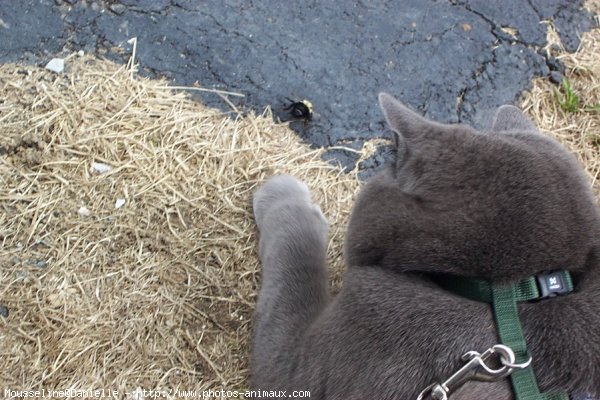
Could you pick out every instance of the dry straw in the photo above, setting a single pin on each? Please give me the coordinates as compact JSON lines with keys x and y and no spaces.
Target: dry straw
{"x":579,"y":131}
{"x":128,"y":244}
{"x":128,"y":247}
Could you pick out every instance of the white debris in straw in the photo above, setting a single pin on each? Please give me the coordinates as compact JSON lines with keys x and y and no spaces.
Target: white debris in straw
{"x":56,"y":65}
{"x":101,"y":167}
{"x":83,"y":211}
{"x":119,"y":203}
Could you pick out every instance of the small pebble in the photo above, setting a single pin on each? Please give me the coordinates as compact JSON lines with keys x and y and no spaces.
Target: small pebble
{"x":101,"y":167}
{"x":40,"y":263}
{"x":556,"y":77}
{"x":83,"y":211}
{"x":117,"y":8}
{"x":56,"y":65}
{"x":555,"y":65}
{"x":4,"y":311}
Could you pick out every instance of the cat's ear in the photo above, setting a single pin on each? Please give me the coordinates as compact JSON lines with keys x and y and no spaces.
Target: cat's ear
{"x":400,"y":118}
{"x":405,"y":122}
{"x":510,"y":118}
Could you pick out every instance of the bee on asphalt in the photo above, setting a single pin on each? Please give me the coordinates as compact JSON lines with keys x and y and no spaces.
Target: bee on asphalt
{"x":302,"y":109}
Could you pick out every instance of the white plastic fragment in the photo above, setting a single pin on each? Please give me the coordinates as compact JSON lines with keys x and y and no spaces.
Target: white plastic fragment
{"x":119,"y":203}
{"x":101,"y":167}
{"x":81,"y":53}
{"x":56,"y":65}
{"x":83,"y":211}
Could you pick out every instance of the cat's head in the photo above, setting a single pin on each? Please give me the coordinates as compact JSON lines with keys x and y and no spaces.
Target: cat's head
{"x":501,"y":205}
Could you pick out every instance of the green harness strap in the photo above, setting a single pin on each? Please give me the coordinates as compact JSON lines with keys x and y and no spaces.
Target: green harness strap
{"x":509,"y":329}
{"x":504,"y":298}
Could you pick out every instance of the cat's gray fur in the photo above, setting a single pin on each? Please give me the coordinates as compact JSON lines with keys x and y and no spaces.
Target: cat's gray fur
{"x":501,"y":205}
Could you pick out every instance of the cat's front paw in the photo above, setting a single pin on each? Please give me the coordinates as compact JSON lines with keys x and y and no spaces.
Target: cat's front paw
{"x":281,"y":189}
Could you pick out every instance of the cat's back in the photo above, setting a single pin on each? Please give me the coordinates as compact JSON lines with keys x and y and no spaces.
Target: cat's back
{"x":384,"y":326}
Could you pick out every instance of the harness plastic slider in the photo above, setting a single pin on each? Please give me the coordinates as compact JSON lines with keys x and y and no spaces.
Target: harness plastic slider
{"x":553,"y":284}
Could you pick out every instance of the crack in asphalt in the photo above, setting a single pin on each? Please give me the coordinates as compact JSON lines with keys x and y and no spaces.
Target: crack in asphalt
{"x":495,"y":30}
{"x":468,"y":89}
{"x":534,"y":8}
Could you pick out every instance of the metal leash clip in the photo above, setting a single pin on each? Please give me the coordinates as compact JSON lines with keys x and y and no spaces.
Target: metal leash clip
{"x":477,"y":368}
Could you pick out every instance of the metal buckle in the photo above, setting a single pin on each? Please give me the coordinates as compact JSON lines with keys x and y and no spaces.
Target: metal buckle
{"x":476,"y":368}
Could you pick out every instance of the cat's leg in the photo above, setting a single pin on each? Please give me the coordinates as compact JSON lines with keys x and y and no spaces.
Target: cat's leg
{"x":292,"y":249}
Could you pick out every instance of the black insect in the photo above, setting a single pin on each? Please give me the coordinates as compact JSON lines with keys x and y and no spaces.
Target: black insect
{"x":302,"y":109}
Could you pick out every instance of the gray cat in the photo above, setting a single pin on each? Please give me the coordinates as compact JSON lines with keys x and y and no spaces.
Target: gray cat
{"x":500,"y":205}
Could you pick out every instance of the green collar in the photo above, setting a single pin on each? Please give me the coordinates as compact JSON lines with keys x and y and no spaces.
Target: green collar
{"x":540,"y":286}
{"x":504,"y":298}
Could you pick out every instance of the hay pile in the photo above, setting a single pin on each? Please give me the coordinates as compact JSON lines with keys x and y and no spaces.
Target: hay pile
{"x":579,"y":131}
{"x":157,"y":293}
{"x":128,"y":247}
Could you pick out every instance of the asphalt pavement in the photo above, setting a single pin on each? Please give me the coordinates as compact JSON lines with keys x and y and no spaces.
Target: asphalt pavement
{"x":454,"y":61}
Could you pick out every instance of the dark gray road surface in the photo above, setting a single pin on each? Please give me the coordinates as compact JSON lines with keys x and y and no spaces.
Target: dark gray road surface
{"x":454,"y":60}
